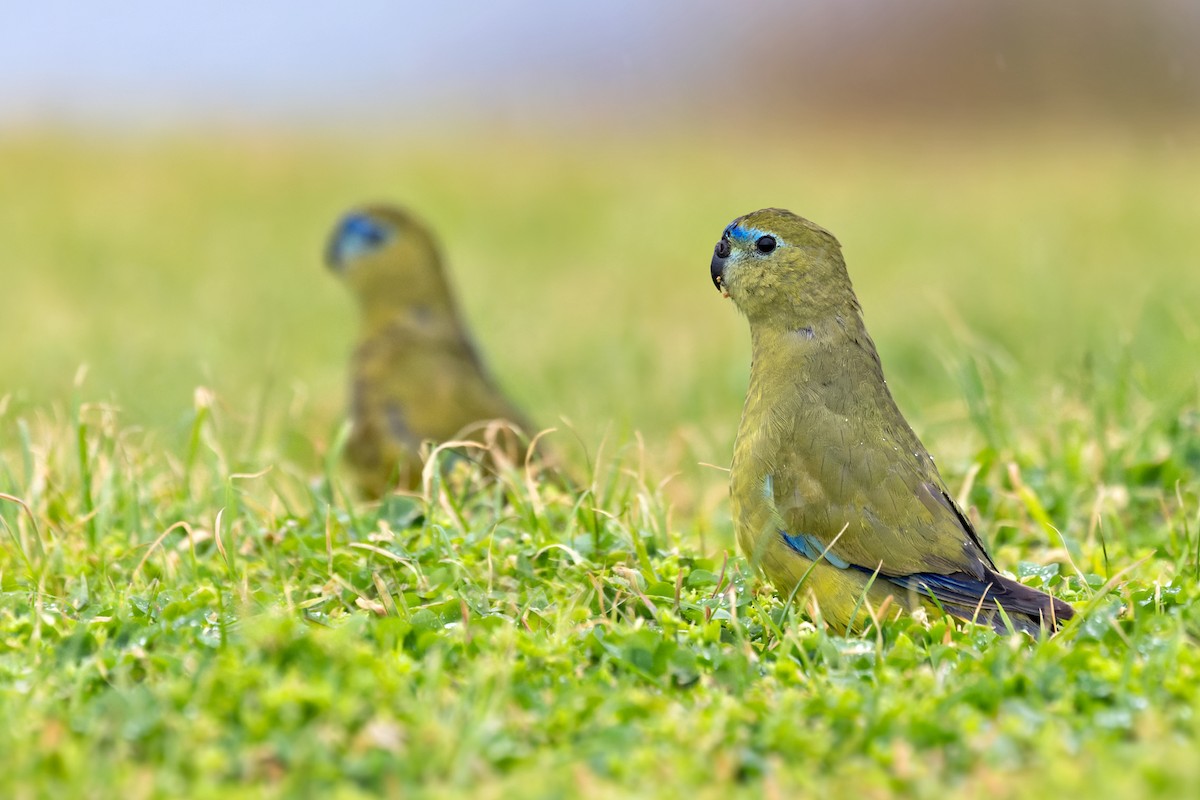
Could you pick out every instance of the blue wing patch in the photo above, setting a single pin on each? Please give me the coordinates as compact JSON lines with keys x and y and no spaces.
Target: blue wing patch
{"x":811,"y":548}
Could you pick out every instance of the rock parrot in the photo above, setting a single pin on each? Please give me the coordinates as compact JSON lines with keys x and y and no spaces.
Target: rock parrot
{"x":829,"y":486}
{"x":415,"y":374}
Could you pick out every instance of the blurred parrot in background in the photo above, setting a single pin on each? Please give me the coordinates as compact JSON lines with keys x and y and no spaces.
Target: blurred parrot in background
{"x":415,"y":374}
{"x":832,"y":494}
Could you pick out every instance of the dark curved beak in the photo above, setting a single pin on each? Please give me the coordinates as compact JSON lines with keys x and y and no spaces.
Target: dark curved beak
{"x":717,"y":269}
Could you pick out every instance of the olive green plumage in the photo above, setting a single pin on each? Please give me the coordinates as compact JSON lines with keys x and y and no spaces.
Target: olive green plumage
{"x":829,"y":485}
{"x":415,"y":374}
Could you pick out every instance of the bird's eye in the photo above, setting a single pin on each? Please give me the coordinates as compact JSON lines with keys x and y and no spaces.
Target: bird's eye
{"x":765,"y":244}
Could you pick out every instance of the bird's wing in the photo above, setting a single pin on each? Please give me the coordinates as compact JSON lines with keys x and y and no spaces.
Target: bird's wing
{"x":866,"y":496}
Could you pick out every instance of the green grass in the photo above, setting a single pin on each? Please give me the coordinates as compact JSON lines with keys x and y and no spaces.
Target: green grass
{"x":193,"y":605}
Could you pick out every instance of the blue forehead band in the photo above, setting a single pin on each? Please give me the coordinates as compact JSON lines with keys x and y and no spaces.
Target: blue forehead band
{"x":356,"y":234}
{"x":736,"y":232}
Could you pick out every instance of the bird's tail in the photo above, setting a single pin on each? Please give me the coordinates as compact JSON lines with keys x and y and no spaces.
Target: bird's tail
{"x":981,"y":601}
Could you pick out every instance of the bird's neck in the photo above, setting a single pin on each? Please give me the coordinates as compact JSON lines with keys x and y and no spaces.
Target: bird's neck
{"x":798,"y":333}
{"x":433,"y":321}
{"x":835,"y":361}
{"x":831,"y":355}
{"x":419,"y":297}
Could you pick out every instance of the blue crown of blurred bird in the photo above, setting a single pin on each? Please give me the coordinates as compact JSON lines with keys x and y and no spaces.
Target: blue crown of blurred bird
{"x":416,"y":376}
{"x":832,"y":494}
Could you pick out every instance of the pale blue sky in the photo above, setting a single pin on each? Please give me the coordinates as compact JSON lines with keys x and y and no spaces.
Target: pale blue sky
{"x":158,"y":63}
{"x":154,"y":62}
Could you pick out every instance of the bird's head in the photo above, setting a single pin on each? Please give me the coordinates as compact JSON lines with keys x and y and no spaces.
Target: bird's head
{"x":388,"y":258}
{"x":776,"y":265}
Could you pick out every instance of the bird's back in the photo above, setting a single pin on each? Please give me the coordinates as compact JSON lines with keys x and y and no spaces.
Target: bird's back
{"x":411,"y":383}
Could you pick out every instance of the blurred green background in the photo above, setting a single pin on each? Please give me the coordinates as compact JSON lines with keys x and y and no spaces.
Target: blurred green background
{"x":1017,"y":206}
